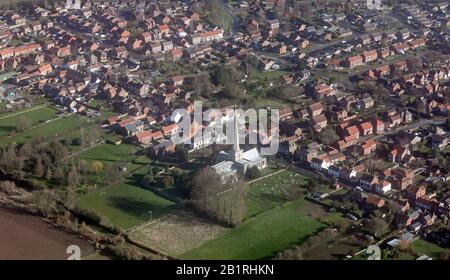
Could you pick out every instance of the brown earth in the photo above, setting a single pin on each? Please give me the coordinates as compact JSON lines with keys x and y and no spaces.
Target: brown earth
{"x":25,"y":237}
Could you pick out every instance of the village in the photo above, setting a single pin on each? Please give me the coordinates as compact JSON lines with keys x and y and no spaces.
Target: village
{"x":363,"y":131}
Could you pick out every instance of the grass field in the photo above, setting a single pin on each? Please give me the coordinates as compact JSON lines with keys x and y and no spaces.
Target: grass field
{"x":261,"y":237}
{"x":126,"y":204}
{"x":269,"y":75}
{"x":423,"y":247}
{"x":36,"y":116}
{"x":54,"y":128}
{"x":108,"y":153}
{"x":272,"y":191}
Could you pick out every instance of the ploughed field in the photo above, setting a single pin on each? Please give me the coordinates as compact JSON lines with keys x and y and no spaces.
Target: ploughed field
{"x":25,"y":237}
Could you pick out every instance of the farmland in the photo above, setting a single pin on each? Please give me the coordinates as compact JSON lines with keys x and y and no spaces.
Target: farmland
{"x":27,"y":237}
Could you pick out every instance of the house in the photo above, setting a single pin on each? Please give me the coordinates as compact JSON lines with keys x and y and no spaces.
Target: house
{"x":315,"y":109}
{"x":374,"y":202}
{"x":354,"y":61}
{"x":319,"y":122}
{"x":323,"y":90}
{"x":383,"y":187}
{"x":368,"y":147}
{"x":288,"y":145}
{"x":378,"y":126}
{"x":365,"y":128}
{"x":369,"y":56}
{"x":334,"y":171}
{"x":168,"y":130}
{"x":146,"y":137}
{"x":366,"y":103}
{"x":368,"y":182}
{"x":353,"y":131}
{"x":399,"y":154}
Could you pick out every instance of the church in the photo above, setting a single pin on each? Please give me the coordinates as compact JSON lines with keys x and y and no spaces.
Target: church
{"x":236,"y":162}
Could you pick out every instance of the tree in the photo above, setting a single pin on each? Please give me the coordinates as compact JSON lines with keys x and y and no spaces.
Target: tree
{"x":202,"y":85}
{"x":328,"y":136}
{"x":167,"y":181}
{"x":73,"y":177}
{"x":48,"y":174}
{"x":96,"y":167}
{"x":253,"y":173}
{"x":39,"y":168}
{"x":376,"y":226}
{"x":8,"y":187}
{"x":182,"y":153}
{"x":23,"y":123}
{"x":45,"y":201}
{"x":148,"y":180}
{"x":223,"y":202}
{"x":60,"y":176}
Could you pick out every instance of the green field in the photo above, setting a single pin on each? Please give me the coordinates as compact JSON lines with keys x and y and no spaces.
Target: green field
{"x":261,"y":237}
{"x":269,"y":75}
{"x":423,"y":247}
{"x":109,"y":153}
{"x":272,"y":191}
{"x":54,"y":128}
{"x":36,"y":116}
{"x":126,"y":204}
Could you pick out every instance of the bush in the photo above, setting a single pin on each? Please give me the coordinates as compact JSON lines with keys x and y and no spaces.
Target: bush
{"x":253,"y":173}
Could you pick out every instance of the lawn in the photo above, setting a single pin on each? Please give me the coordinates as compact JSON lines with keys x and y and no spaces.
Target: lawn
{"x":36,"y":116}
{"x":272,"y":191}
{"x":261,"y":237}
{"x":126,"y":204}
{"x":269,"y":75}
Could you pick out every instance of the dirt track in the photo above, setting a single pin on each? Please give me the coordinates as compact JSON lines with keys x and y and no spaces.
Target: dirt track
{"x":24,"y":237}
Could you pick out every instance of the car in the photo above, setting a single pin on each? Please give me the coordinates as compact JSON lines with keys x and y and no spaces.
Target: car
{"x":352,"y":217}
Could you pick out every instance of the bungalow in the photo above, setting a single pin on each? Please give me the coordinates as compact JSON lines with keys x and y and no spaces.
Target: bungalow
{"x":323,"y":90}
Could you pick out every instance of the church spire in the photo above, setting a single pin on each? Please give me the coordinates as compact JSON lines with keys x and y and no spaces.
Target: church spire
{"x":237,"y":153}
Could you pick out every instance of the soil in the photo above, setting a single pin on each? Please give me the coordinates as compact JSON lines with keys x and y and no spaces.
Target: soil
{"x":25,"y":237}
